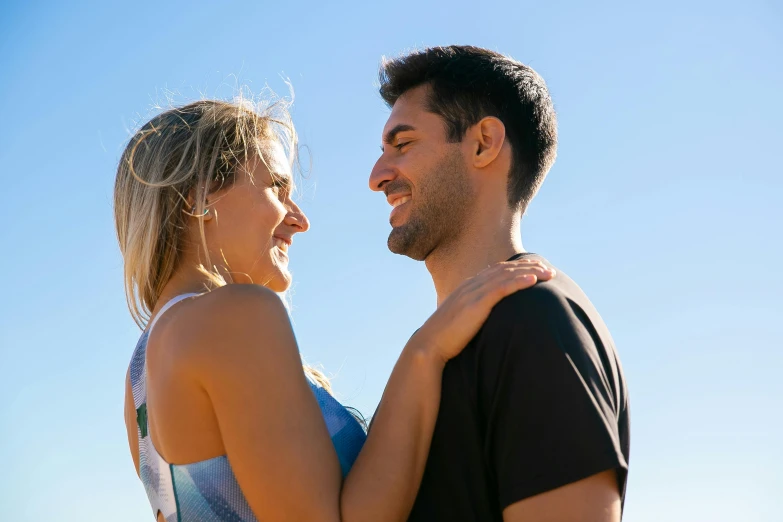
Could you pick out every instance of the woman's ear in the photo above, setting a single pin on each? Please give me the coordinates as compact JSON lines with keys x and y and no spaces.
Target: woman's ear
{"x":192,"y":210}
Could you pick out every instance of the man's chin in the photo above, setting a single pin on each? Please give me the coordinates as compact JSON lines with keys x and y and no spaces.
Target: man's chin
{"x":402,"y":242}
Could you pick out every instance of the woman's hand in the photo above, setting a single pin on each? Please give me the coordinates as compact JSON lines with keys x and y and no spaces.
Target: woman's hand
{"x":459,"y":318}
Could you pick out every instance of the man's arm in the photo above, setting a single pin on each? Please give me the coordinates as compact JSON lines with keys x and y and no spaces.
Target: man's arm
{"x":594,"y":499}
{"x":553,"y":412}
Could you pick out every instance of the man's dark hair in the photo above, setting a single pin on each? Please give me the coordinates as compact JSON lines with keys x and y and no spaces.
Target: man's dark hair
{"x":469,"y":83}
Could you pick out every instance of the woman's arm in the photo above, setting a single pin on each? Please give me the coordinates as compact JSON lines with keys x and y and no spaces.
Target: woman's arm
{"x":385,"y":478}
{"x":243,"y":353}
{"x":270,"y":423}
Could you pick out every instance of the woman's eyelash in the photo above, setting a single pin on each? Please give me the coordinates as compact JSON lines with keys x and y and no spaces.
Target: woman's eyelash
{"x":282,"y":186}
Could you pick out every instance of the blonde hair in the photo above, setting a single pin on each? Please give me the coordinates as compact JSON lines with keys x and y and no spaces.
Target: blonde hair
{"x":186,"y":152}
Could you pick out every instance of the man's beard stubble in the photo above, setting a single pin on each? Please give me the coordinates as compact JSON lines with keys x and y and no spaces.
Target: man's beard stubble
{"x":438,"y":209}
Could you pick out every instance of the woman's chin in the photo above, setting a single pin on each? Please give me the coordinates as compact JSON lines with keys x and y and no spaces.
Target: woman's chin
{"x":280,"y":282}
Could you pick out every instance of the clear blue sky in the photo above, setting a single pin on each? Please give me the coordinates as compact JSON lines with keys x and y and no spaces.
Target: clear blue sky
{"x":664,"y":204}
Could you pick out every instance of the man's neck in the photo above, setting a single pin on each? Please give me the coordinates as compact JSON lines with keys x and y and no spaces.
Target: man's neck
{"x":480,"y":245}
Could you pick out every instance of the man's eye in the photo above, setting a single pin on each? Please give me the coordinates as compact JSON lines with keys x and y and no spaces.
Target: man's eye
{"x":399,"y":146}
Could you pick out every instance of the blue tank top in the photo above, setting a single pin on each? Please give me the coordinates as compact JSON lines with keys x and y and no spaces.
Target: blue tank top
{"x":207,"y":491}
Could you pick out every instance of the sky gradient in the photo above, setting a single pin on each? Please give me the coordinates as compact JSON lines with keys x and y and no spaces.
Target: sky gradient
{"x":664,"y":205}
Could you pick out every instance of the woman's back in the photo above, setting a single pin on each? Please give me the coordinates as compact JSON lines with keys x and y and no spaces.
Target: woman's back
{"x":195,"y":480}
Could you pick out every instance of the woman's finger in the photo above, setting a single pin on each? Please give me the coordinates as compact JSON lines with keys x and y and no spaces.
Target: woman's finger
{"x":543,"y":272}
{"x":496,"y":291}
{"x":497,"y":274}
{"x":540,"y":270}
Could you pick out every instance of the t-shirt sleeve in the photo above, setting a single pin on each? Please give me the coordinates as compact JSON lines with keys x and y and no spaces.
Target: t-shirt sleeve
{"x":552,"y":412}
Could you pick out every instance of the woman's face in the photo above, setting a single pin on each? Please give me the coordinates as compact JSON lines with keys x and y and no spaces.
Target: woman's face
{"x":251,"y":224}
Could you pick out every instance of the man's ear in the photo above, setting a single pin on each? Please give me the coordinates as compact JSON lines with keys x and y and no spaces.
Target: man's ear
{"x":489,"y":136}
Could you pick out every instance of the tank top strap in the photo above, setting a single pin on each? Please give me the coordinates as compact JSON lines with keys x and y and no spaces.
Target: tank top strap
{"x":138,"y":368}
{"x":169,"y":304}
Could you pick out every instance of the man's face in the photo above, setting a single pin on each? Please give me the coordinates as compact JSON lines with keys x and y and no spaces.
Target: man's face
{"x":424,"y":177}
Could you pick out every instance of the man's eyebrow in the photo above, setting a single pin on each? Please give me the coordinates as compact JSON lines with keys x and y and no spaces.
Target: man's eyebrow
{"x":389,"y":137}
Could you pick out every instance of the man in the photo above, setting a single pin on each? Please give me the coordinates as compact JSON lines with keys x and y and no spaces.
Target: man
{"x":533,"y":422}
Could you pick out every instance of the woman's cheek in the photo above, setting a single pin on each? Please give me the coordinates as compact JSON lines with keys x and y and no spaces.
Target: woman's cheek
{"x":279,"y":213}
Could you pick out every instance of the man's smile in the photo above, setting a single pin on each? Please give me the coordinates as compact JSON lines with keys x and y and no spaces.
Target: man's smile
{"x":398,"y":201}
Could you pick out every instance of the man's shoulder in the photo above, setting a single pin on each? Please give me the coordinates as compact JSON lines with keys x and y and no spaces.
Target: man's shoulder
{"x":531,"y":304}
{"x":551,"y":312}
{"x":545,"y":322}
{"x":552,"y":298}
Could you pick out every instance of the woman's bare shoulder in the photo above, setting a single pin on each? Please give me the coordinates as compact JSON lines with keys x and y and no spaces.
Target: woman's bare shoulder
{"x":223,"y":325}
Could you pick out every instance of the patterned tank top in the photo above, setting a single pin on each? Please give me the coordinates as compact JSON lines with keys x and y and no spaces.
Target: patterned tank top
{"x":207,"y":491}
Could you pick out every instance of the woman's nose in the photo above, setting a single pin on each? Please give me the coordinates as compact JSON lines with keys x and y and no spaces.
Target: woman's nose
{"x":296,"y":218}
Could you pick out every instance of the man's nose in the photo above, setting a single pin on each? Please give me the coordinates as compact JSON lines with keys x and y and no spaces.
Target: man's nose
{"x":381,"y":174}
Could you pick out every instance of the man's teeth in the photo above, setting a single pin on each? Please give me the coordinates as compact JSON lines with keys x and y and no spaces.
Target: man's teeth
{"x":397,"y":202}
{"x":282,"y":245}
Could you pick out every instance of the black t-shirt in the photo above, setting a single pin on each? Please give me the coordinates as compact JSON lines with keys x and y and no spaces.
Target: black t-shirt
{"x":536,"y":401}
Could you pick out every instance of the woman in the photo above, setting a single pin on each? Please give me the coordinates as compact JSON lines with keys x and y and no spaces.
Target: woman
{"x":223,"y":423}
